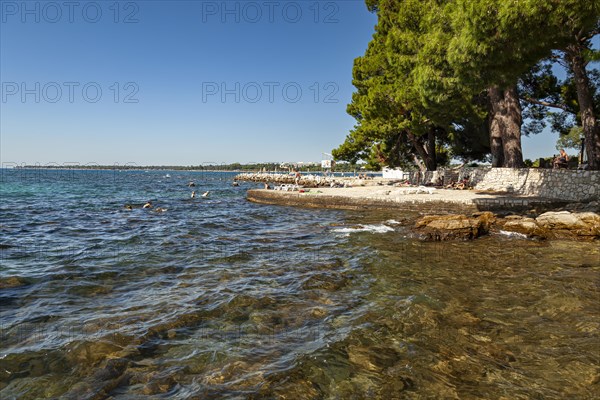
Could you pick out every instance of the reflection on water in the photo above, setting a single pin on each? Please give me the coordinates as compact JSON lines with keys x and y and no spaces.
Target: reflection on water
{"x":222,"y":298}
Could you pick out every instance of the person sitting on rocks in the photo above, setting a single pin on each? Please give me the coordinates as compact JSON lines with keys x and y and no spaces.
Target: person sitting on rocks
{"x":463,"y":184}
{"x":561,"y":161}
{"x":451,"y":185}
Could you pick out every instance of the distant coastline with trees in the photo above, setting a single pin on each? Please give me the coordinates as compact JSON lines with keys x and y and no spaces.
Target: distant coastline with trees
{"x":233,"y":167}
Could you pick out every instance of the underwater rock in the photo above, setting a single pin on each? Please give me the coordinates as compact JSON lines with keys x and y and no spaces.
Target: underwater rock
{"x":158,"y":382}
{"x":325,"y":281}
{"x":99,"y":384}
{"x":32,"y":364}
{"x":239,"y":374}
{"x":361,"y":357}
{"x":88,"y":353}
{"x":318,"y":312}
{"x":12,"y":282}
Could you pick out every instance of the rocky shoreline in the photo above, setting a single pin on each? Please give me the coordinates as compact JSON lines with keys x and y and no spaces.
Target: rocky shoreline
{"x":305,"y":180}
{"x":547,"y":226}
{"x":455,"y":215}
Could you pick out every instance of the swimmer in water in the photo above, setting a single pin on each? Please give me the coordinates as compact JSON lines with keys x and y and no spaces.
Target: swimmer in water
{"x":148,"y":204}
{"x":205,"y":194}
{"x":193,"y":194}
{"x":191,"y":184}
{"x":128,"y":207}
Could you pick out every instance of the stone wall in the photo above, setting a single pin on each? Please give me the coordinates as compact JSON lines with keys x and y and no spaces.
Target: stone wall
{"x":559,"y":184}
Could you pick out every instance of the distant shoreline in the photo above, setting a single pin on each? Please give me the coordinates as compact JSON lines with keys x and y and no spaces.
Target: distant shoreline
{"x":103,"y":168}
{"x":233,"y":171}
{"x":234,"y":167}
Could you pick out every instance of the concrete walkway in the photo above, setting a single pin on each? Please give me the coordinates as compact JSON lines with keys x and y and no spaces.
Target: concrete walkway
{"x":404,"y":198}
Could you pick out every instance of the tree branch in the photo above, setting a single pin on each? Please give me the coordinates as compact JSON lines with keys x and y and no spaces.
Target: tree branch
{"x":590,"y":34}
{"x":545,"y":103}
{"x":555,"y":57}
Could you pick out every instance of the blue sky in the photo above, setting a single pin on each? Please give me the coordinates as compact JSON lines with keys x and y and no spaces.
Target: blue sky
{"x":181,"y":82}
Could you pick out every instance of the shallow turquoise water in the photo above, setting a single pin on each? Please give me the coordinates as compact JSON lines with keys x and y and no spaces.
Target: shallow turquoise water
{"x":222,"y":298}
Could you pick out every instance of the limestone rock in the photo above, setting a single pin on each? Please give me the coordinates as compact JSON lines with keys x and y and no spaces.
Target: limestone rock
{"x":559,"y":220}
{"x":550,"y":225}
{"x":449,"y":227}
{"x":564,"y":224}
{"x":555,"y":225}
{"x":523,"y":225}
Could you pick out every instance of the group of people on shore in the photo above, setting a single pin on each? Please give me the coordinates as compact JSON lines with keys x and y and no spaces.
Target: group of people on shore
{"x":364,"y":176}
{"x":462,"y":184}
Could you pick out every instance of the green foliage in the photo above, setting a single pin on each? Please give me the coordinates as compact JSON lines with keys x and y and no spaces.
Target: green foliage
{"x":592,"y":55}
{"x":547,"y":163}
{"x":571,"y":140}
{"x":495,"y":42}
{"x":421,"y":84}
{"x":560,"y":110}
{"x":406,"y":93}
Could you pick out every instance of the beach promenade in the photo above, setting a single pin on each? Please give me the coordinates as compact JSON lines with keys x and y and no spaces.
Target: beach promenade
{"x":525,"y":190}
{"x":406,"y":199}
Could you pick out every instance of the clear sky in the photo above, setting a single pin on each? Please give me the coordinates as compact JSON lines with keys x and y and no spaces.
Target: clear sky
{"x":180,"y":82}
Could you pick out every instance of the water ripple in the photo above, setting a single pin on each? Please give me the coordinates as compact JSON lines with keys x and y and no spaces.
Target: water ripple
{"x":222,"y":298}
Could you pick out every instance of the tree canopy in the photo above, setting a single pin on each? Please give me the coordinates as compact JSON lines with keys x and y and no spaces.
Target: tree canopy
{"x":446,"y":79}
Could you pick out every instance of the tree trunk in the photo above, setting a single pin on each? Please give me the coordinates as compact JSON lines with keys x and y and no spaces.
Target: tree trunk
{"x":431,"y":161}
{"x":419,"y":163}
{"x":427,"y":156}
{"x":505,"y":127}
{"x":495,"y":129}
{"x":511,"y":139}
{"x":589,"y":123}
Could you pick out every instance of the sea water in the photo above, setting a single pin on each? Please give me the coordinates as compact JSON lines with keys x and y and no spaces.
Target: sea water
{"x":218,"y":297}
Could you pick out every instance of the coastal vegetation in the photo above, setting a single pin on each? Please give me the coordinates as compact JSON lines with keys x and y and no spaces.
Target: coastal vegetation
{"x":133,"y":167}
{"x":465,"y":79}
{"x":233,"y":167}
